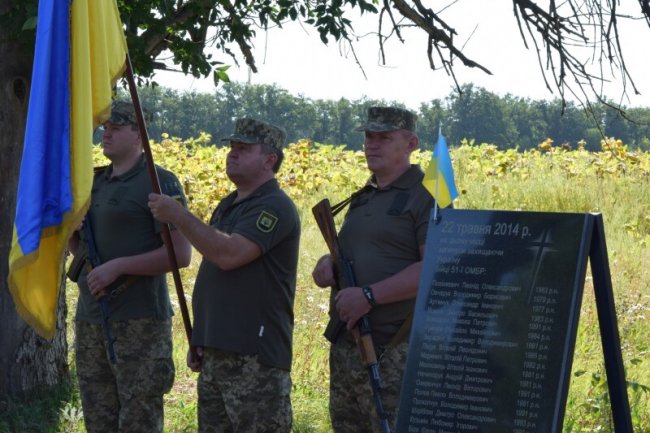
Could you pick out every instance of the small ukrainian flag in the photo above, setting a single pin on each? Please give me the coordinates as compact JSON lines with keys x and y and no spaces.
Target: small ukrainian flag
{"x":439,"y":177}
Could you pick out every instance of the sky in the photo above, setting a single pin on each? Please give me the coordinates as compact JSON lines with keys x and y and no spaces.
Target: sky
{"x":294,"y":58}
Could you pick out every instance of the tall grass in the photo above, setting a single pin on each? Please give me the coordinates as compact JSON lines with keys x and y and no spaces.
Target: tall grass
{"x":614,"y":182}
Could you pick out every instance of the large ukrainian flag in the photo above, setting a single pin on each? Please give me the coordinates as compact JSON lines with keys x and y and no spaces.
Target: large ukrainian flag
{"x":80,"y":53}
{"x":439,"y":177}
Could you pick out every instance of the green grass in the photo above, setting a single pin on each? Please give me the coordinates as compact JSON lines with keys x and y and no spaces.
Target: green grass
{"x":608,"y":182}
{"x":51,"y":410}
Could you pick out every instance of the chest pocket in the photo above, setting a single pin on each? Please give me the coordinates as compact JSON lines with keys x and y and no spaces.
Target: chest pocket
{"x":115,"y":198}
{"x":399,"y":203}
{"x":396,"y":208}
{"x":225,"y":219}
{"x":359,"y":200}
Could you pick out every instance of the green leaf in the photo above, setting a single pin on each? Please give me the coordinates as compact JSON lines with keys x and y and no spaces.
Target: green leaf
{"x":323,"y":37}
{"x":636,"y":386}
{"x":220,"y":75}
{"x":30,"y":24}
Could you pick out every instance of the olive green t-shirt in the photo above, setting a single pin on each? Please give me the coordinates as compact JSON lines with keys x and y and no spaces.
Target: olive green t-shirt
{"x":249,"y":310}
{"x":122,"y":225}
{"x":381,"y":235}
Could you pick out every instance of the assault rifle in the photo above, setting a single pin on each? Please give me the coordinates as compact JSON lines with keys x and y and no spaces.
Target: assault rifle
{"x":92,"y":261}
{"x":362,"y":333}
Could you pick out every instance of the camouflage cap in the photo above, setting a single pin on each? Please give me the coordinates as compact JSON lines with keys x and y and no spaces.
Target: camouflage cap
{"x":251,"y":131}
{"x":123,"y":113}
{"x":382,"y":119}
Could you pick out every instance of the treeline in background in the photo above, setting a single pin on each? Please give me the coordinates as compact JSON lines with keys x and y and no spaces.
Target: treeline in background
{"x":475,"y":114}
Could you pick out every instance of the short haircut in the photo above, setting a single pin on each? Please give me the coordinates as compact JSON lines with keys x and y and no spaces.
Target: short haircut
{"x":267,"y":149}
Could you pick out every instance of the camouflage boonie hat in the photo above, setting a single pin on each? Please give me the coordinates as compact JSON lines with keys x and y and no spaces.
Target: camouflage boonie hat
{"x":383,"y":119}
{"x":251,"y":131}
{"x":123,"y":113}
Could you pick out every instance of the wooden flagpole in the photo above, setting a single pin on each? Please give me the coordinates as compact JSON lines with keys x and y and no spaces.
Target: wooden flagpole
{"x":155,"y":182}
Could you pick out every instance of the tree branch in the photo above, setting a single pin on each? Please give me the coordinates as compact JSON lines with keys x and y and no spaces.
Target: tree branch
{"x":440,"y":38}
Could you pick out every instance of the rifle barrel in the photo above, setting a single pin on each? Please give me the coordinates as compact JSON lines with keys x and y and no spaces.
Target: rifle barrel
{"x":106,"y":312}
{"x":104,"y":307}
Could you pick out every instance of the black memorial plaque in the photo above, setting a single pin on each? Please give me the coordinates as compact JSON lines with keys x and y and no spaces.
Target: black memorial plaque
{"x":495,"y":322}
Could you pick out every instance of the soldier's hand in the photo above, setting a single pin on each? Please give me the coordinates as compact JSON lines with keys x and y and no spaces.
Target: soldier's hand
{"x":102,"y":276}
{"x":164,"y":208}
{"x":195,"y":358}
{"x":323,"y":273}
{"x":351,"y":304}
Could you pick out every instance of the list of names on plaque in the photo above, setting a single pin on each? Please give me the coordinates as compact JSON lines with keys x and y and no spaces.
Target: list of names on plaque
{"x":495,"y":292}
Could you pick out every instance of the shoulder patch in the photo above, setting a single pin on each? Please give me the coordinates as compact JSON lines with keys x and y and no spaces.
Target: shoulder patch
{"x":266,"y":222}
{"x":173,"y":189}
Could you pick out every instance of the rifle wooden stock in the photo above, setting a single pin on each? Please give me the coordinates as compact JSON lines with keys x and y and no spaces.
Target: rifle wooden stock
{"x":362,"y":332}
{"x":366,"y":347}
{"x":325,"y":221}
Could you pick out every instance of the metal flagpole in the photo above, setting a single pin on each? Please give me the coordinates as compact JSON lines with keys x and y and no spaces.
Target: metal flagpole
{"x":435,"y":204}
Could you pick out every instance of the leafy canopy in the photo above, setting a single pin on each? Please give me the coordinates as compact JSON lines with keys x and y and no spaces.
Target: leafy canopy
{"x":187,"y":32}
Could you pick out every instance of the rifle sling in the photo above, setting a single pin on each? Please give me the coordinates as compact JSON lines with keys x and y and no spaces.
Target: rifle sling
{"x":116,"y":291}
{"x":338,"y":207}
{"x":123,"y":286}
{"x":402,"y":332}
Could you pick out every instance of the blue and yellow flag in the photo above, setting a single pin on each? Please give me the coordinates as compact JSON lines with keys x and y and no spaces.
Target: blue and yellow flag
{"x":439,"y":177}
{"x":79,"y":55}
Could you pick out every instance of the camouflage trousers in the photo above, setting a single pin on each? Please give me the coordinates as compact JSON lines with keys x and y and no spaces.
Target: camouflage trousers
{"x":352,"y":408}
{"x":238,"y":394}
{"x":126,"y":396}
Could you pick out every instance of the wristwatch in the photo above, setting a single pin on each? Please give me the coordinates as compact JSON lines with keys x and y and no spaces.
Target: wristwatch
{"x":367,"y":292}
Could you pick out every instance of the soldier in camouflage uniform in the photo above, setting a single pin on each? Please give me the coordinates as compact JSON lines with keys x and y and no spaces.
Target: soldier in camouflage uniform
{"x":126,"y":396}
{"x":383,"y":235}
{"x":244,"y":291}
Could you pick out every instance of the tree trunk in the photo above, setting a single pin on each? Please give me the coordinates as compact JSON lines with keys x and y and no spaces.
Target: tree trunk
{"x":27,"y":361}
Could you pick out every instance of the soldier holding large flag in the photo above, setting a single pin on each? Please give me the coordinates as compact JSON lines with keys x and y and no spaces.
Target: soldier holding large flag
{"x":80,"y":53}
{"x":125,"y":393}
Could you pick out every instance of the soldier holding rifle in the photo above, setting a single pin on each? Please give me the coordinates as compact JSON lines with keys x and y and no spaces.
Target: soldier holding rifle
{"x":124,"y":371}
{"x":244,"y":291}
{"x":382,"y":237}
